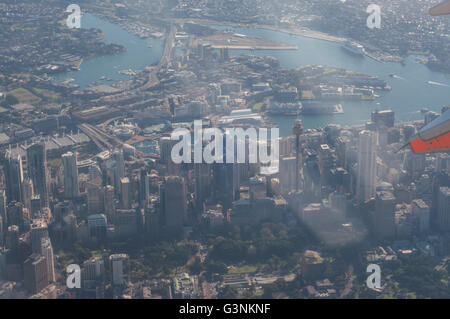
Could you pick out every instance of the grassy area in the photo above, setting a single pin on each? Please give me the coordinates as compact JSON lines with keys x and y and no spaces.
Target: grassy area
{"x":24,"y":96}
{"x":47,"y":93}
{"x":258,"y":107}
{"x":412,"y":52}
{"x":308,"y":95}
{"x":55,"y":163}
{"x":243,"y":269}
{"x":25,"y":76}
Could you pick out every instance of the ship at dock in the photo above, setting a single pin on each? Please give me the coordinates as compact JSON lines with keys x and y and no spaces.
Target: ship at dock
{"x":277,"y":108}
{"x":319,"y":108}
{"x":354,"y":48}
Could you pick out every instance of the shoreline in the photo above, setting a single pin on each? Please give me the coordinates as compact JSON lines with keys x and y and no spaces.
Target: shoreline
{"x":301,"y":31}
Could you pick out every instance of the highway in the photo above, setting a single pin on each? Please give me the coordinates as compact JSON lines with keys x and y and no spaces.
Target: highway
{"x":106,"y":142}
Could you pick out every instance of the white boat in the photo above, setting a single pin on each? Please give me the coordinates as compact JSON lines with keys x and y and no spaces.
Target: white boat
{"x":354,"y":48}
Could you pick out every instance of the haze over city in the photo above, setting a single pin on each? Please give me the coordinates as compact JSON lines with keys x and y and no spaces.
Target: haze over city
{"x":224,"y":149}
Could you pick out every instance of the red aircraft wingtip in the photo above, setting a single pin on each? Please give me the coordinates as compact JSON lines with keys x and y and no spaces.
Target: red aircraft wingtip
{"x":441,"y":9}
{"x":438,"y":144}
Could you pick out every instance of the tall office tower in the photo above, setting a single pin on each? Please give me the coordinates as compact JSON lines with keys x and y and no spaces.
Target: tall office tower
{"x":120,"y":163}
{"x":27,"y":193}
{"x":93,"y":272}
{"x":12,"y":238}
{"x":367,"y":166}
{"x":109,"y":203}
{"x":13,"y":177}
{"x":287,"y":174}
{"x":62,"y":209}
{"x":119,"y":264}
{"x":152,"y":219}
{"x":70,"y":175}
{"x":37,"y":170}
{"x":94,"y":196}
{"x":203,"y":178}
{"x":127,"y":223}
{"x":3,"y":208}
{"x":421,"y":211}
{"x":443,"y":209}
{"x":125,"y":192}
{"x":287,"y":146}
{"x":384,"y":215}
{"x":326,"y":163}
{"x":225,"y":183}
{"x":165,"y":147}
{"x":443,"y":162}
{"x":35,"y":205}
{"x":70,"y":227}
{"x":2,"y":233}
{"x":39,"y":231}
{"x":383,"y":119}
{"x":97,"y":225}
{"x":35,"y":273}
{"x":297,"y":130}
{"x":175,"y":202}
{"x":414,"y":163}
{"x":144,"y":187}
{"x":47,"y":252}
{"x":338,"y":203}
{"x":16,"y":215}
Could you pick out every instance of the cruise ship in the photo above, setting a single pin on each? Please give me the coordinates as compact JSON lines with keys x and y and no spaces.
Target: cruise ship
{"x":354,"y":48}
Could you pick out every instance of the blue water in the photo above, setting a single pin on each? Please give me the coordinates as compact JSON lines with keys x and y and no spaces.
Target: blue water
{"x":147,"y":146}
{"x":410,"y":92}
{"x":137,"y":56}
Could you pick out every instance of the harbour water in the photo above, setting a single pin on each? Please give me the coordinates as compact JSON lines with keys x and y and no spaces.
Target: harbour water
{"x":139,"y":54}
{"x":414,"y":87}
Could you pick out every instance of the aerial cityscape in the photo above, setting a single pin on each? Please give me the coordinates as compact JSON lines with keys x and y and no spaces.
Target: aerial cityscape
{"x":224,"y":149}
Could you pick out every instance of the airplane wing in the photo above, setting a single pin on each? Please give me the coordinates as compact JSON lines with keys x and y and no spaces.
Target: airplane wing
{"x":433,"y":137}
{"x":441,"y":9}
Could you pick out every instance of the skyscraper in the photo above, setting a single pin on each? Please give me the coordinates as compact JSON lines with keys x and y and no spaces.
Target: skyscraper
{"x":37,"y":170}
{"x":287,"y":174}
{"x":119,"y":268}
{"x":202,"y":175}
{"x":175,"y":202}
{"x":27,"y":193}
{"x":94,"y":196}
{"x":144,"y":187}
{"x":93,"y":272}
{"x":443,"y":209}
{"x":120,"y":167}
{"x":384,"y":216}
{"x":125,"y":190}
{"x":422,"y":212}
{"x":2,"y":233}
{"x":13,"y":177}
{"x":12,"y":239}
{"x":3,"y":208}
{"x":47,"y":252}
{"x":109,"y":204}
{"x":367,"y":166}
{"x":39,"y":231}
{"x":35,"y":273}
{"x":70,"y":175}
{"x":226,"y":183}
